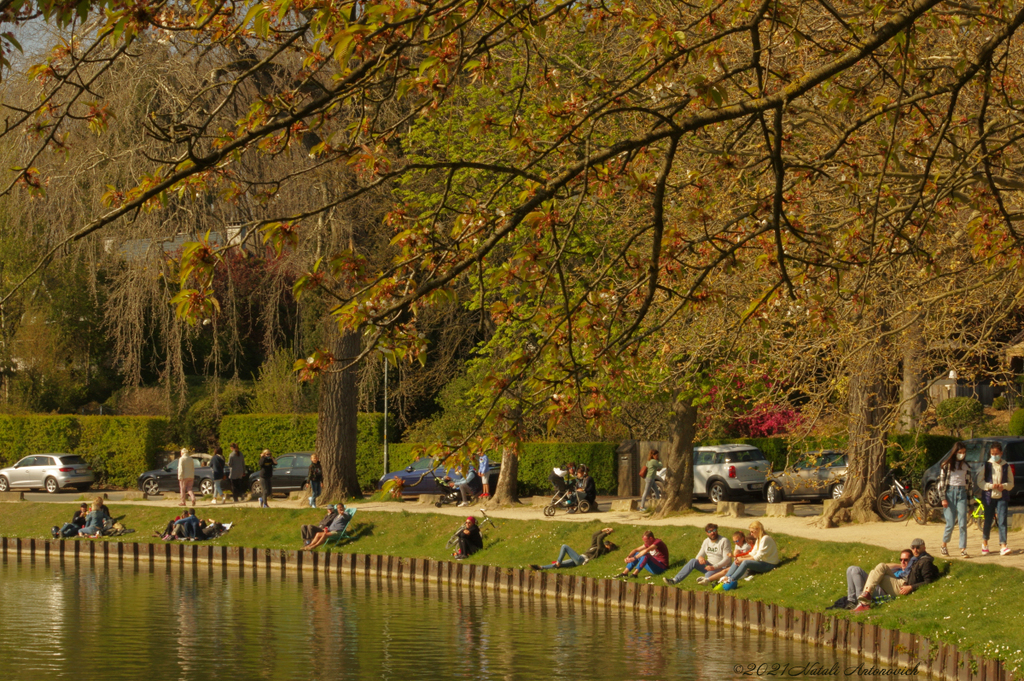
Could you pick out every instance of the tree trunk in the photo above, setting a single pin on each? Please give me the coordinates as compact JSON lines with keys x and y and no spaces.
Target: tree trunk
{"x":912,"y":398}
{"x":679,"y":459}
{"x":337,"y":419}
{"x":868,"y":405}
{"x":507,"y":492}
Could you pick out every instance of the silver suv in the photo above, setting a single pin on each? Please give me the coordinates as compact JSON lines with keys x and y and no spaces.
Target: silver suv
{"x":721,"y":471}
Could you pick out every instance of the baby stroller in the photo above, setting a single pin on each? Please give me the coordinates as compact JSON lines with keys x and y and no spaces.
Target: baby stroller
{"x":449,"y":492}
{"x":566,"y":500}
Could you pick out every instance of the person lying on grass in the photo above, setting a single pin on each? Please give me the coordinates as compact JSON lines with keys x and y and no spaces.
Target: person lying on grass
{"x":567,"y":558}
{"x":652,"y":556}
{"x":337,"y":525}
{"x":920,"y":570}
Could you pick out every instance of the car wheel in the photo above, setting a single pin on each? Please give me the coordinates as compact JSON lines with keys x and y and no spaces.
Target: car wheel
{"x":584,"y":506}
{"x":5,"y":484}
{"x":774,"y":493}
{"x":256,"y":488}
{"x":837,"y":489}
{"x":206,"y":487}
{"x":549,"y":511}
{"x":931,"y":493}
{"x":150,"y":486}
{"x":717,"y":491}
{"x":51,"y":485}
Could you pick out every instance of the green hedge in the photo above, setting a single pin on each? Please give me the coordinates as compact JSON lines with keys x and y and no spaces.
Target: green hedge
{"x":282,"y":433}
{"x":119,"y":448}
{"x":1016,"y":428}
{"x":537,"y":460}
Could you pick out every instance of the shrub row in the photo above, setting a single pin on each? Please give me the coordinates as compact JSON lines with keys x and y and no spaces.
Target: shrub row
{"x":282,"y":433}
{"x":118,"y":448}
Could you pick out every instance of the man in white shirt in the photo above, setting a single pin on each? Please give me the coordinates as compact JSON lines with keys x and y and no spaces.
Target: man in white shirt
{"x":186,"y":476}
{"x":713,"y":556}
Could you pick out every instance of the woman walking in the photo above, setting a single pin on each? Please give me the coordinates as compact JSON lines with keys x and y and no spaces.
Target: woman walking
{"x":267,"y":463}
{"x":236,"y":472}
{"x":654,"y":465}
{"x":956,"y":489}
{"x":315,"y":478}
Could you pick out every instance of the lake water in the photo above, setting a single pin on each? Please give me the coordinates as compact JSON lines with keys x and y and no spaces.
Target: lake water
{"x":176,"y":622}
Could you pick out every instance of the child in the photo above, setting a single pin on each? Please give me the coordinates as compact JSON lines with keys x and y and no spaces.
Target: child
{"x":741,"y":547}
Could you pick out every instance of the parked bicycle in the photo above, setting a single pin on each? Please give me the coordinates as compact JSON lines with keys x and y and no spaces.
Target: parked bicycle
{"x":899,"y":503}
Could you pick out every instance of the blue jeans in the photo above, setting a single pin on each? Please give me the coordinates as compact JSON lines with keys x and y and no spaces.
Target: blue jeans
{"x":651,"y":489}
{"x":995,"y":508}
{"x":314,"y":491}
{"x":567,"y":558}
{"x":956,"y":497}
{"x":690,"y":567}
{"x":755,"y":566}
{"x":645,"y":563}
{"x":217,"y":491}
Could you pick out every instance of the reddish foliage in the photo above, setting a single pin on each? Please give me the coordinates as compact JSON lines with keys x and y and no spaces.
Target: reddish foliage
{"x":765,"y":420}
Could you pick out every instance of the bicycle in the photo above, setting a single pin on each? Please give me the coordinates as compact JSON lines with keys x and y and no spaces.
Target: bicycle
{"x":898,"y":503}
{"x":978,"y":515}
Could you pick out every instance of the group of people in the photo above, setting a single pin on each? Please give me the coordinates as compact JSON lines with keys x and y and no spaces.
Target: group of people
{"x":86,"y":522}
{"x":189,"y":527}
{"x":334,"y":523}
{"x":573,"y":483}
{"x":481,"y":469}
{"x":915,"y":569}
{"x":956,"y":489}
{"x":725,"y":565}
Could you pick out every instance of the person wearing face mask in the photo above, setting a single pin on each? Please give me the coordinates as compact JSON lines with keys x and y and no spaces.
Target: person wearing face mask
{"x":998,"y":479}
{"x":956,"y":488}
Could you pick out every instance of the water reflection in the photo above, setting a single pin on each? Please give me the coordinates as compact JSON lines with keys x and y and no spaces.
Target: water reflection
{"x":175,"y":622}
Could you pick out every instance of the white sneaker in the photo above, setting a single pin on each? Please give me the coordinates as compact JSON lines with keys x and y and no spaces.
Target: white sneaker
{"x":463,"y":503}
{"x":748,"y":578}
{"x":703,"y":580}
{"x":586,"y":559}
{"x":723,"y":580}
{"x":214,"y":502}
{"x":1005,"y":551}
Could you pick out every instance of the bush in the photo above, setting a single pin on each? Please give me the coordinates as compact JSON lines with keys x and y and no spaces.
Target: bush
{"x":958,"y":413}
{"x":999,"y":403}
{"x":1016,"y":428}
{"x":119,"y":448}
{"x":913,"y":453}
{"x":281,"y":433}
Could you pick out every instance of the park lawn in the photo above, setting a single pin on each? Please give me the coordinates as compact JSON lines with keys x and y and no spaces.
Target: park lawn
{"x":973,"y":605}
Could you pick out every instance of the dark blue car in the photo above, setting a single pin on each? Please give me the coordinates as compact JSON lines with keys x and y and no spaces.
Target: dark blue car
{"x":420,"y":477}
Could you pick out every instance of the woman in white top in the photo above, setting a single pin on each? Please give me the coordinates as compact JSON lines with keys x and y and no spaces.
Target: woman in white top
{"x":956,"y":488}
{"x":764,"y":557}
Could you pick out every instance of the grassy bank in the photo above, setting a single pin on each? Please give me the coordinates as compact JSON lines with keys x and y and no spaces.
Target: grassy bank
{"x":974,"y":605}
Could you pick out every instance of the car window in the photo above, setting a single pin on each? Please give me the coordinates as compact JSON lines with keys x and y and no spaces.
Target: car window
{"x":72,"y":460}
{"x":745,"y":456}
{"x":976,"y":450}
{"x":285,"y":461}
{"x":1013,"y":451}
{"x":701,"y":458}
{"x":43,"y":461}
{"x":422,"y":463}
{"x":27,"y":461}
{"x":301,"y":460}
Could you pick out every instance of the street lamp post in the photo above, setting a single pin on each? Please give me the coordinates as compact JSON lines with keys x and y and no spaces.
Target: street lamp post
{"x":385,"y":416}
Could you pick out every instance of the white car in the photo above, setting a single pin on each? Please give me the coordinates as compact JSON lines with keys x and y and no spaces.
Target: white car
{"x":51,"y":472}
{"x":723,"y":471}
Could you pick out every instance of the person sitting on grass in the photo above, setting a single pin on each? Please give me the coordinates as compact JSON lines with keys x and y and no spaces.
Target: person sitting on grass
{"x":652,"y":556}
{"x":310,"y":531}
{"x":94,"y":520}
{"x":337,"y":525}
{"x":77,"y":522}
{"x":764,"y":557}
{"x":567,"y":558}
{"x":741,"y":546}
{"x":712,"y":557}
{"x":856,"y":578}
{"x":920,"y":570}
{"x":470,"y":540}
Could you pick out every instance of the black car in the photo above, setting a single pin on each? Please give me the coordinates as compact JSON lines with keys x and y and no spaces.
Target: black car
{"x":166,"y":479}
{"x":977,"y":455}
{"x":289,"y":473}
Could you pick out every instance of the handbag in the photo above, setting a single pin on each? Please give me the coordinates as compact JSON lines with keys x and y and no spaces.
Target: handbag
{"x":643,"y":471}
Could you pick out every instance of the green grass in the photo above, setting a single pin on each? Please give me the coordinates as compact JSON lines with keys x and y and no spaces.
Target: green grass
{"x":975,"y":605}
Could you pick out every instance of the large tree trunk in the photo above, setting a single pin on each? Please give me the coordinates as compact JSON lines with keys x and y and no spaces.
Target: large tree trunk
{"x":679,"y":459}
{"x":912,"y":398}
{"x":869,"y":406}
{"x":507,"y":491}
{"x":337,"y":420}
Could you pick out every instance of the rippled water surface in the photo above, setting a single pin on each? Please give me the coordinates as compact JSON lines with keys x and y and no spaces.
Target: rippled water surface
{"x":170,"y":622}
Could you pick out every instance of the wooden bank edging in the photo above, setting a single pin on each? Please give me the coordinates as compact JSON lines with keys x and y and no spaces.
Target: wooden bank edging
{"x":880,"y":647}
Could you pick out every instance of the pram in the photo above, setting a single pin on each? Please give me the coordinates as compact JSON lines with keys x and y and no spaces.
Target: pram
{"x":566,"y":500}
{"x":449,"y":492}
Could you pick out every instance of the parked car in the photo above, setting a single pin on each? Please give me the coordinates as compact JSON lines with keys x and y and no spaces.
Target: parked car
{"x":977,"y":455}
{"x":819,"y":475}
{"x":51,"y":472}
{"x":166,"y":479}
{"x":289,"y":474}
{"x":723,"y":471}
{"x":420,"y":477}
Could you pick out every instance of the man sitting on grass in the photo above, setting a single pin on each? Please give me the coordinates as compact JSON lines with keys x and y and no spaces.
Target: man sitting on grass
{"x":713,"y":556}
{"x":337,"y":525}
{"x":856,"y":578}
{"x":920,"y":570}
